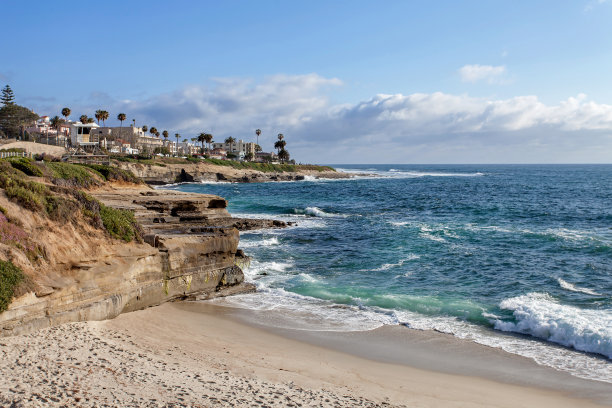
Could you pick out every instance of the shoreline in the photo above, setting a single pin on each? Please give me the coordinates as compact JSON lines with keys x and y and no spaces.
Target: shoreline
{"x":425,"y":350}
{"x":200,"y":354}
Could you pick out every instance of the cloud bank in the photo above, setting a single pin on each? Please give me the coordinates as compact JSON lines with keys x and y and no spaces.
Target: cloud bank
{"x":416,"y":128}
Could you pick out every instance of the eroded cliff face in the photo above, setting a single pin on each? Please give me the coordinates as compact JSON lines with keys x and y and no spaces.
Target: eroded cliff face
{"x":190,"y":249}
{"x":199,"y":172}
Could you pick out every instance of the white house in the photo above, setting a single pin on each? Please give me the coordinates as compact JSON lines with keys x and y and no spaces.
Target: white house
{"x":81,"y":134}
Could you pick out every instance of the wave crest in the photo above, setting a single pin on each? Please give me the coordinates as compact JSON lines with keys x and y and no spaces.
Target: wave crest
{"x":539,"y":315}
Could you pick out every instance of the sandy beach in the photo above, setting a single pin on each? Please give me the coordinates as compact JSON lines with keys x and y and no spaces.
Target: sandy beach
{"x":198,"y":354}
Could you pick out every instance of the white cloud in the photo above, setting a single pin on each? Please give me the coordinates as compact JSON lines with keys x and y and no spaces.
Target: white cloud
{"x":420,"y":127}
{"x":489,"y":73}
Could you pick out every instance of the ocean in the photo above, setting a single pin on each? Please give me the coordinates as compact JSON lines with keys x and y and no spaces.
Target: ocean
{"x":517,"y":257}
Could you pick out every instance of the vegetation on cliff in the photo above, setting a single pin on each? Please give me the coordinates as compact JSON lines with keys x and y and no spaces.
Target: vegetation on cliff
{"x":111,"y":173}
{"x":63,"y":201}
{"x":73,"y":175}
{"x":10,"y":277}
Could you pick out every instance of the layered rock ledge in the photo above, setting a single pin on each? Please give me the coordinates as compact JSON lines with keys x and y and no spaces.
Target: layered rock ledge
{"x":190,"y":249}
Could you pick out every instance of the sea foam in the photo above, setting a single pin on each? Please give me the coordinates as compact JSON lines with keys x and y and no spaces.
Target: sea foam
{"x":539,"y":315}
{"x":574,"y":288}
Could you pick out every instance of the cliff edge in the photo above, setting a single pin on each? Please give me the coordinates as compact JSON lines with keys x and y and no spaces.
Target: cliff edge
{"x":79,"y":263}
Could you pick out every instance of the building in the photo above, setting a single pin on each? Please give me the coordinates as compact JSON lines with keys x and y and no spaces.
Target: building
{"x":266,"y":157}
{"x":239,"y":148}
{"x":135,"y":136}
{"x":187,"y":149}
{"x":84,"y":134}
{"x":218,"y":153}
{"x":171,"y":146}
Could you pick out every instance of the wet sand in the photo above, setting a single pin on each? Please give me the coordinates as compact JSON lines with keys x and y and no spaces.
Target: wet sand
{"x":198,"y":354}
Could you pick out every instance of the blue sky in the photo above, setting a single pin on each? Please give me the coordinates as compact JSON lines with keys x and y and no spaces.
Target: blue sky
{"x":389,"y":81}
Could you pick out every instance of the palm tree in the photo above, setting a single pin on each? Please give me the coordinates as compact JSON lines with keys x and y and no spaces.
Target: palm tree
{"x":258,"y":132}
{"x":177,"y":138}
{"x":83,"y":119}
{"x":209,"y":138}
{"x":144,"y":129}
{"x":280,"y":145}
{"x":90,"y":120}
{"x":98,"y":115}
{"x":283,"y":155}
{"x":56,"y":122}
{"x":153,"y":131}
{"x":121,"y":117}
{"x":230,"y":140}
{"x":66,"y":113}
{"x":104,"y":117}
{"x":165,"y":135}
{"x":202,"y":138}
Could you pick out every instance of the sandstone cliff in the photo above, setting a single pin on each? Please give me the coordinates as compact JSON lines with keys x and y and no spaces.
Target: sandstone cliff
{"x":81,"y":274}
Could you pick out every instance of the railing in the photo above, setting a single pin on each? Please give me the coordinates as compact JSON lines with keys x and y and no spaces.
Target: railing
{"x":4,"y":155}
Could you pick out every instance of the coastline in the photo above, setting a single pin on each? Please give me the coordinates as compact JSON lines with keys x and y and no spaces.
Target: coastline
{"x":200,"y":354}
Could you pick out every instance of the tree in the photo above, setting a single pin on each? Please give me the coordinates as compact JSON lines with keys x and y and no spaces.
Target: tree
{"x":177,"y":138}
{"x":161,"y":149}
{"x":14,"y":118}
{"x":283,"y":155}
{"x":165,"y":134}
{"x":258,"y":132}
{"x":121,"y":117}
{"x":98,"y":115}
{"x":90,"y":120}
{"x":153,"y":131}
{"x":66,"y":113}
{"x":56,"y":123}
{"x":249,"y":156}
{"x":83,"y":118}
{"x":257,"y":148}
{"x":208,"y":138}
{"x":280,"y":145}
{"x":144,"y":129}
{"x":230,"y":140}
{"x":8,"y":98}
{"x":202,"y":138}
{"x":104,"y":117}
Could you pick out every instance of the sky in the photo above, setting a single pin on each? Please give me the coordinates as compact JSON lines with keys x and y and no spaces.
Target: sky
{"x":344,"y":81}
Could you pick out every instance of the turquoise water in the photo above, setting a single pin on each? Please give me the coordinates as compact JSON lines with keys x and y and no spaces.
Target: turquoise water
{"x":517,"y":257}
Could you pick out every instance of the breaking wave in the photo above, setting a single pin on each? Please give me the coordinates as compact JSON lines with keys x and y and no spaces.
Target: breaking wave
{"x":539,"y":315}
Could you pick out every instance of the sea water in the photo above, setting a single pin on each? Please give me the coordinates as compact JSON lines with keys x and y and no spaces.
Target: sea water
{"x":517,"y":257}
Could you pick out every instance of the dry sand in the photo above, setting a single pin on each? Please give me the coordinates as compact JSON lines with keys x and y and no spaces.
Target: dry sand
{"x":36,"y":148}
{"x":173,"y":355}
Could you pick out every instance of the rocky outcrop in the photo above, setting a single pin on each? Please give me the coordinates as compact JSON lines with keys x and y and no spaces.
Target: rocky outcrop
{"x":190,"y":251}
{"x":159,"y":174}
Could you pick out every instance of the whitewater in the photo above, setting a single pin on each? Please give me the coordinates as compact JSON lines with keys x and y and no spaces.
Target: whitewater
{"x":515,"y":257}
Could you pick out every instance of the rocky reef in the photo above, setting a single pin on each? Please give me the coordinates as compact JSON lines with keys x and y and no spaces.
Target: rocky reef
{"x":190,"y":250}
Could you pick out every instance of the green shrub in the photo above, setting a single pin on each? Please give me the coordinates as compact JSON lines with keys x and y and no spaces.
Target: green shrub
{"x":26,"y":165}
{"x":111,"y":173}
{"x":25,"y":197}
{"x":10,"y":277}
{"x":28,"y":194}
{"x":60,"y":208}
{"x":73,"y":175}
{"x":264,"y":167}
{"x":120,"y":224}
{"x":14,"y":149}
